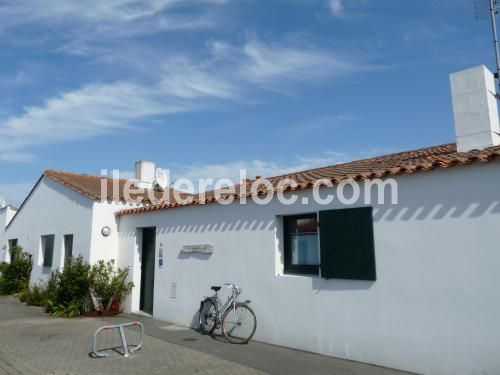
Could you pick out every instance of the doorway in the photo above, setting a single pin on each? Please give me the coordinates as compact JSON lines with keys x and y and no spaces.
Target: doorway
{"x":148,"y":269}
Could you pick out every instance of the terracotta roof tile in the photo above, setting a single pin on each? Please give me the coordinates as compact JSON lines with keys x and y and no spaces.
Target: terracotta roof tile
{"x":90,"y":186}
{"x":409,"y":162}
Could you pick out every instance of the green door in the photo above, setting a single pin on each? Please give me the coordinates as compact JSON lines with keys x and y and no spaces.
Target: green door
{"x":148,"y":269}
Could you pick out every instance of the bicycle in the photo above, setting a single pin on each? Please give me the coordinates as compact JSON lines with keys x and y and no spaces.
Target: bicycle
{"x":237,"y":319}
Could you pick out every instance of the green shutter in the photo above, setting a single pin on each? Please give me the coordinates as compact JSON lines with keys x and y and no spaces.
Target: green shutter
{"x":347,"y":245}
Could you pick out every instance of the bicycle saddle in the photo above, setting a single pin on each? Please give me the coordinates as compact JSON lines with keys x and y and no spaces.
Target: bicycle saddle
{"x":215,"y":288}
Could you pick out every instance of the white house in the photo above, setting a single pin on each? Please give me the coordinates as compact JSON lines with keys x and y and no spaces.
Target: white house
{"x":65,"y":215}
{"x":411,"y":284}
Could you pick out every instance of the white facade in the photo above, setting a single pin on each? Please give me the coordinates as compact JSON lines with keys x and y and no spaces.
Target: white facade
{"x":54,"y":209}
{"x":434,"y":308}
{"x":6,"y":215}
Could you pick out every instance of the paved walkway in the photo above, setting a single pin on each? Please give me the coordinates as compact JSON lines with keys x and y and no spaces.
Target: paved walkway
{"x":32,"y":343}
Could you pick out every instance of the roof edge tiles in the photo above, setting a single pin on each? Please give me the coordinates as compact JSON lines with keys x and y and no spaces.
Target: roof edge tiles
{"x":406,"y":162}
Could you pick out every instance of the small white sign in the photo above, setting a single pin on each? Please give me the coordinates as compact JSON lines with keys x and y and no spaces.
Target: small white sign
{"x":203,"y":249}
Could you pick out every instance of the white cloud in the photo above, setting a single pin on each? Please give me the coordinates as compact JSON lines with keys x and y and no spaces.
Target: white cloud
{"x":83,"y":24}
{"x":97,"y":109}
{"x":336,"y":7}
{"x":15,"y":156}
{"x":184,"y":79}
{"x":183,"y":85}
{"x":87,"y":112}
{"x":111,"y":12}
{"x":266,"y":63}
{"x":278,"y":65}
{"x":272,"y":61}
{"x":258,"y":167}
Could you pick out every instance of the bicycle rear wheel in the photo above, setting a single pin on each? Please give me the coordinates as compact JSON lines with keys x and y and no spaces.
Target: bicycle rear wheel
{"x":208,"y":316}
{"x":239,"y":324}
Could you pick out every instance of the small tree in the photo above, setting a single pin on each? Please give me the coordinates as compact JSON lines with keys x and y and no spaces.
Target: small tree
{"x":15,"y":277}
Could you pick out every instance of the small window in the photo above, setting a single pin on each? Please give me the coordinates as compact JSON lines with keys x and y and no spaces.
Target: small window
{"x":48,"y":250}
{"x":301,"y":244}
{"x":12,"y":244}
{"x":68,"y":246}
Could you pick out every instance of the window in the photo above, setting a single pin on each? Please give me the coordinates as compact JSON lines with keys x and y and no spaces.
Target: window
{"x":338,"y":246}
{"x":301,"y":244}
{"x":68,"y":246}
{"x":48,"y":250}
{"x":12,"y":244}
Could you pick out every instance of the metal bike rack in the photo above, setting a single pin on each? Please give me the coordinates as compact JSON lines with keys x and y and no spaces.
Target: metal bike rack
{"x":120,"y":327}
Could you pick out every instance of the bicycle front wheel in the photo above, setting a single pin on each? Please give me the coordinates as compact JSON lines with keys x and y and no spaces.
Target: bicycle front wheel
{"x":239,"y":324}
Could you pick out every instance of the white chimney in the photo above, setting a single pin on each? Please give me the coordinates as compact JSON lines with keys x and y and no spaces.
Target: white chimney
{"x":145,"y":174}
{"x":475,"y":109}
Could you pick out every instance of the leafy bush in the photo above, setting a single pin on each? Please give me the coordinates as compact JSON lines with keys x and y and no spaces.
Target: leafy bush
{"x":36,"y":295}
{"x":67,"y":290}
{"x":74,"y":309}
{"x":15,"y":277}
{"x":108,"y":284}
{"x":43,"y":294}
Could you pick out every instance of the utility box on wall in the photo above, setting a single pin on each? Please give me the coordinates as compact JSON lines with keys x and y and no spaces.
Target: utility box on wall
{"x":173,"y":290}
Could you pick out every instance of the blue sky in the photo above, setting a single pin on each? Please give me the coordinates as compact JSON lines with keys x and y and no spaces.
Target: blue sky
{"x":204,"y":87}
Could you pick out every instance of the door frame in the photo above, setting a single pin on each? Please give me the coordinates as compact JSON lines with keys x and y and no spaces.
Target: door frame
{"x":142,"y":266}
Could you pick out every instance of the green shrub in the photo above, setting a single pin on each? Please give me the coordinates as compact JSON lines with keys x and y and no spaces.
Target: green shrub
{"x":43,"y":294}
{"x":66,"y":292}
{"x":15,"y":277}
{"x":36,"y":295}
{"x":68,"y":289}
{"x":51,"y":290}
{"x":74,"y":309}
{"x":3,"y":267}
{"x":108,"y":284}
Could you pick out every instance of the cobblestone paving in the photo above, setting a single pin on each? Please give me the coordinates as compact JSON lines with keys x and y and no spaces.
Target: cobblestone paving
{"x":32,"y":343}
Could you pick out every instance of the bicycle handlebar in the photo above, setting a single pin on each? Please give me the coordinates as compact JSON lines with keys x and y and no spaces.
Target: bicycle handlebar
{"x":237,"y":289}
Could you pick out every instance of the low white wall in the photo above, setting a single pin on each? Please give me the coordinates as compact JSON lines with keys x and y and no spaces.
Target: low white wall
{"x":434,"y":308}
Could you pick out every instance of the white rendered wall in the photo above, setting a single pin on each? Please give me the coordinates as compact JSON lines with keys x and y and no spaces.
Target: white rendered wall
{"x":52,"y":209}
{"x":3,"y":244}
{"x":6,"y":215}
{"x":434,"y":308}
{"x":103,"y":215}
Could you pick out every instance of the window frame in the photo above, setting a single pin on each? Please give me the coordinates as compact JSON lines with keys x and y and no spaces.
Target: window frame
{"x":288,"y":267}
{"x":65,"y":245}
{"x":11,"y":243}
{"x":44,"y":250}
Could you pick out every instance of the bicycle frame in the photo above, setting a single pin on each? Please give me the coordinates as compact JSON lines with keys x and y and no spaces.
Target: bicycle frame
{"x":231,"y":300}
